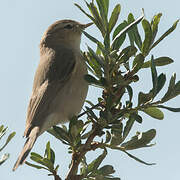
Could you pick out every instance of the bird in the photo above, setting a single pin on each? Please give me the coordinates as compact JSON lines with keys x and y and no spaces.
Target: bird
{"x":59,"y":88}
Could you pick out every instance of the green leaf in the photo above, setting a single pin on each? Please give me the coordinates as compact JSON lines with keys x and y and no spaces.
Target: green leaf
{"x":161,"y":61}
{"x":137,"y":38}
{"x":128,"y":126}
{"x":1,"y":128}
{"x":91,"y":80}
{"x":144,"y":98}
{"x":106,"y":170}
{"x":154,"y":77}
{"x":138,"y":63}
{"x":130,"y":92}
{"x":119,"y":28}
{"x":177,"y":88}
{"x":49,"y":153}
{"x":169,"y":93}
{"x":60,"y":134}
{"x":106,"y":6}
{"x":76,"y":128}
{"x":134,"y":33}
{"x":140,"y":140}
{"x":56,"y":168}
{"x":89,"y":16}
{"x":114,"y":17}
{"x":52,"y":156}
{"x":137,"y":159}
{"x":98,"y":20}
{"x":106,"y":2}
{"x":169,"y":108}
{"x":172,"y":92}
{"x":36,"y":155}
{"x":43,"y":161}
{"x":148,"y":37}
{"x":35,"y":166}
{"x":116,"y":132}
{"x":160,"y":82}
{"x":107,"y":41}
{"x":93,"y":166}
{"x":127,"y":28}
{"x":89,"y":102}
{"x":94,"y":67}
{"x":99,"y":60}
{"x":93,"y":39}
{"x":154,"y":112}
{"x":96,"y":62}
{"x":137,"y":117}
{"x":37,"y":160}
{"x":3,"y":131}
{"x":170,"y":30}
{"x":4,"y":158}
{"x":119,"y":41}
{"x":103,"y":6}
{"x":126,"y":53}
{"x":53,"y":133}
{"x":154,"y":25}
{"x":130,"y":32}
{"x":48,"y":164}
{"x":8,"y":139}
{"x":89,"y":64}
{"x":172,"y":82}
{"x":48,"y":150}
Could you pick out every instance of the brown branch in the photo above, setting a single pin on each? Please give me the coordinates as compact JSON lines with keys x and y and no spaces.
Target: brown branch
{"x":56,"y":177}
{"x":77,"y":156}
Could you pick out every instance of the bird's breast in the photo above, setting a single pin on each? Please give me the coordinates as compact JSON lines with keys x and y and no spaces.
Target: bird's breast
{"x":70,"y":99}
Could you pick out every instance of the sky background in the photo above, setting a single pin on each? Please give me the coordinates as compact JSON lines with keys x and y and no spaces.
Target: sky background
{"x":22,"y":26}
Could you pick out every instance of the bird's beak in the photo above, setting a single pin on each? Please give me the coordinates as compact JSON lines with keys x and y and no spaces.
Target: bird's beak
{"x":84,"y":26}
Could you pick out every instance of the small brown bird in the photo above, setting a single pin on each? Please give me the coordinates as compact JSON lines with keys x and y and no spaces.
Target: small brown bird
{"x":59,"y":88}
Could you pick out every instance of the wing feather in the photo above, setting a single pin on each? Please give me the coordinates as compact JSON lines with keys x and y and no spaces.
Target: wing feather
{"x":50,"y":78}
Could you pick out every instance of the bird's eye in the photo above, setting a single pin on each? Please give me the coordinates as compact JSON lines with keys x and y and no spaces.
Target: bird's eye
{"x":68,"y":26}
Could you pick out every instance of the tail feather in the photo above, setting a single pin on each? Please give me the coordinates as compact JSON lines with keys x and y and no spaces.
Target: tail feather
{"x":27,"y":147}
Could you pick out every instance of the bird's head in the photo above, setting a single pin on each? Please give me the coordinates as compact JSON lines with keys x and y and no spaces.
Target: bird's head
{"x":67,"y":32}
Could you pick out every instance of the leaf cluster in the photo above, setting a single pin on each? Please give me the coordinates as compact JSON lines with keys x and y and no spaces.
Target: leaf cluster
{"x":3,"y":131}
{"x":46,"y":162}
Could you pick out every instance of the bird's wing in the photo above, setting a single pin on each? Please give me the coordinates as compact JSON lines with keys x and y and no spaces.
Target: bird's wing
{"x":56,"y":74}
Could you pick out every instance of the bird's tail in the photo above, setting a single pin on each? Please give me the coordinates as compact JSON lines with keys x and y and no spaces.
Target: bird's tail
{"x":27,"y":147}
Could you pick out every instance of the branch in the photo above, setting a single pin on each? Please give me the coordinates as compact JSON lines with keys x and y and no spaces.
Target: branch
{"x":77,"y":156}
{"x":56,"y":177}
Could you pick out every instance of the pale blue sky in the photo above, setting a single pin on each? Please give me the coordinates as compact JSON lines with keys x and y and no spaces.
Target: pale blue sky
{"x":22,"y":25}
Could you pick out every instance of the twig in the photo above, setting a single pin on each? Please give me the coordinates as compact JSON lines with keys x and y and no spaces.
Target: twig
{"x":93,"y":107}
{"x":56,"y":177}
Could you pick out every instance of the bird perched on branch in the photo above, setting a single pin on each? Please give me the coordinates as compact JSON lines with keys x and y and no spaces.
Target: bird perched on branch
{"x":59,"y":88}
